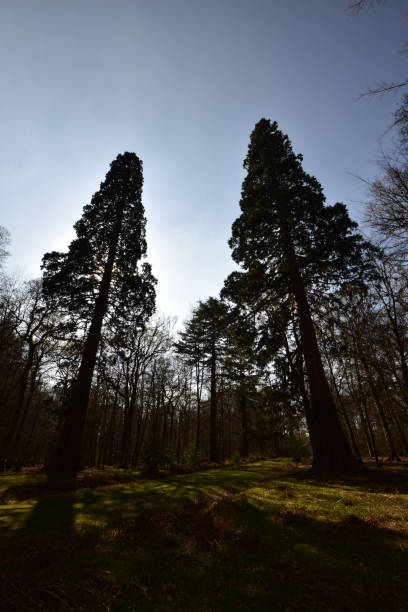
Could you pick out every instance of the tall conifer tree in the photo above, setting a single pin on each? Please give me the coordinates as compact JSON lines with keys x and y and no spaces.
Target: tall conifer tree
{"x":100,"y":278}
{"x":289,"y":243}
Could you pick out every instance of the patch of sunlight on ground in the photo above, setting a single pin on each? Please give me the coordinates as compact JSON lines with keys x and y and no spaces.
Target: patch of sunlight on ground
{"x":330,"y":504}
{"x":11,"y":479}
{"x":263,"y":484}
{"x":275,"y":535}
{"x":13,"y":517}
{"x":97,"y":505}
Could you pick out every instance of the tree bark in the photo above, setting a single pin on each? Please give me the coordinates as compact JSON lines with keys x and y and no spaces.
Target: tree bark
{"x":244,"y":423}
{"x":213,"y":407}
{"x":198,"y":425}
{"x":384,"y":421}
{"x":344,"y":411}
{"x":67,"y":455}
{"x":19,"y":414}
{"x":331,"y":452}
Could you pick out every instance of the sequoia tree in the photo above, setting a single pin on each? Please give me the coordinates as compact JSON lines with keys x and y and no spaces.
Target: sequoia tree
{"x":100,"y":280}
{"x":290,"y":244}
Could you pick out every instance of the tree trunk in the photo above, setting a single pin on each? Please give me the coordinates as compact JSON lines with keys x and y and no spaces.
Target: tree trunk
{"x":198,"y":390}
{"x":67,"y":455}
{"x":15,"y":451}
{"x":344,"y":411}
{"x":244,"y":423}
{"x":361,"y":400}
{"x":128,"y":425}
{"x":331,"y":452}
{"x":380,"y":408}
{"x":400,"y":430}
{"x":11,"y":439}
{"x":213,"y":408}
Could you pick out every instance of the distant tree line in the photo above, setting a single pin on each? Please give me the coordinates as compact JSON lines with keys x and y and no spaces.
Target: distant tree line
{"x":303,"y":352}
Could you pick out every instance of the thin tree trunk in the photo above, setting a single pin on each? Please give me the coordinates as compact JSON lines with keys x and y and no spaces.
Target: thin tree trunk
{"x":16,"y":453}
{"x":213,"y":408}
{"x":244,"y":422}
{"x":107,"y":458}
{"x":400,"y":429}
{"x":361,"y":399}
{"x":344,"y":412}
{"x":128,"y":424}
{"x":384,"y":421}
{"x":198,"y":390}
{"x":10,"y":442}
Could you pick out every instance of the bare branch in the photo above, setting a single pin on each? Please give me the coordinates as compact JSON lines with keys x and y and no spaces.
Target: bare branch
{"x":356,"y":6}
{"x":4,"y":242}
{"x":382,"y":88}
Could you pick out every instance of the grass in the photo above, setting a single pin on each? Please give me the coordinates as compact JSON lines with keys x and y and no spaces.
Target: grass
{"x":260,"y":536}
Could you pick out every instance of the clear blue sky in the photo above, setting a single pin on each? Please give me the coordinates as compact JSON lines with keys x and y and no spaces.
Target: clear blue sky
{"x":182,"y":83}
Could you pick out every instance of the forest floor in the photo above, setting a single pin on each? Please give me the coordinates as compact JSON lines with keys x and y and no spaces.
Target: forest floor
{"x":260,"y":536}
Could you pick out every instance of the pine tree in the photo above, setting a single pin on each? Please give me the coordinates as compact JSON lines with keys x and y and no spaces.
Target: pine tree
{"x":202,"y":341}
{"x":190,"y":347}
{"x":241,"y":364}
{"x":290,"y":244}
{"x":97,"y":281}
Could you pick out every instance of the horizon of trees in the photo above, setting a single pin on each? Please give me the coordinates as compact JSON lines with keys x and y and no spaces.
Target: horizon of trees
{"x":304,"y":349}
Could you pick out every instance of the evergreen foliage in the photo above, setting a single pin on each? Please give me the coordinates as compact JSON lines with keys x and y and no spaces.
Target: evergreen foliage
{"x":100,"y":276}
{"x":112,"y":224}
{"x":203,"y":341}
{"x":303,"y":329}
{"x":292,"y":246}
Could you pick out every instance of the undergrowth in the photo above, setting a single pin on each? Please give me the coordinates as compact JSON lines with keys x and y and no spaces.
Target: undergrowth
{"x":258,"y":536}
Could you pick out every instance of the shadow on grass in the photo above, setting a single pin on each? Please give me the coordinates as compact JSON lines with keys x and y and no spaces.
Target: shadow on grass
{"x":46,"y":538}
{"x":375,"y":480}
{"x":54,"y":513}
{"x":227,"y":555}
{"x":41,"y":486}
{"x":318,"y":564}
{"x":112,"y":504}
{"x":164,"y":545}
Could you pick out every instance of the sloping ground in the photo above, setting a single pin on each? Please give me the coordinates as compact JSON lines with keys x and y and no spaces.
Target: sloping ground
{"x":264,"y":536}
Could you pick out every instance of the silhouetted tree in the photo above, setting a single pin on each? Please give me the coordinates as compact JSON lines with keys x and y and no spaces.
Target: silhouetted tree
{"x":4,"y":242}
{"x":387,"y":211}
{"x":100,"y":277}
{"x":34,"y":325}
{"x":241,"y":366}
{"x":135,"y":352}
{"x":203,"y":340}
{"x":190,"y":346}
{"x":288,"y":242}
